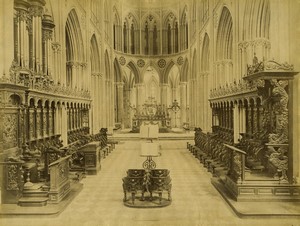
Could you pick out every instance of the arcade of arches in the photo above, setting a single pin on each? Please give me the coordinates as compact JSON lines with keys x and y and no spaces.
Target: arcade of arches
{"x":73,"y":72}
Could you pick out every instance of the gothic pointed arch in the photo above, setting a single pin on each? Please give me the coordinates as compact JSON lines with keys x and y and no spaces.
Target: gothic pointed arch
{"x":256,"y":32}
{"x":184,"y":29}
{"x":74,"y":49}
{"x":151,"y":83}
{"x":205,"y":54}
{"x":167,"y":71}
{"x":107,"y":66}
{"x":135,"y":72}
{"x":150,"y":63}
{"x":117,"y":71}
{"x":170,"y":25}
{"x":224,"y":48}
{"x":257,"y":19}
{"x":174,"y":76}
{"x":184,"y":71}
{"x":117,"y":30}
{"x":95,"y":81}
{"x":194,"y":65}
{"x":131,"y":34}
{"x":224,"y":35}
{"x":95,"y":56}
{"x":150,"y":39}
{"x":106,"y":20}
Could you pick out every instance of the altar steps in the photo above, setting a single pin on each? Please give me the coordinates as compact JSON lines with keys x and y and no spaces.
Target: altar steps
{"x":33,"y":201}
{"x":35,"y":193}
{"x":35,"y":196}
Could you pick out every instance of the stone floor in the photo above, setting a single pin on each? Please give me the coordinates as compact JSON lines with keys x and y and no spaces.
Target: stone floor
{"x":195,"y":201}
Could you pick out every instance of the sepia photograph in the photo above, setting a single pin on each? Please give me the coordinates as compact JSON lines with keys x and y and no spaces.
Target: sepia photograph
{"x":149,"y":112}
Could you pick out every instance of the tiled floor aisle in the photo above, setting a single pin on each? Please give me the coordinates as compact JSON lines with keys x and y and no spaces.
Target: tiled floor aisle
{"x":195,"y":200}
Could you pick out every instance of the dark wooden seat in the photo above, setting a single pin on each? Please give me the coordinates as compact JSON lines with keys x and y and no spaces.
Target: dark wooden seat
{"x":133,"y":185}
{"x":135,"y":172}
{"x":160,"y":172}
{"x":141,"y":181}
{"x":159,"y":185}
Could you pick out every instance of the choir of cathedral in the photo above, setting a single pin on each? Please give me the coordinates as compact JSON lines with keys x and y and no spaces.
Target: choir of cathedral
{"x":74,"y":72}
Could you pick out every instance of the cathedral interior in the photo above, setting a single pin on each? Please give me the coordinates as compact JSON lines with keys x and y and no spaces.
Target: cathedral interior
{"x":149,"y":112}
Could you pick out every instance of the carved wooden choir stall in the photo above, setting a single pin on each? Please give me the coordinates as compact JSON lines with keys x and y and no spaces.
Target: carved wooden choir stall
{"x":249,"y":149}
{"x":44,"y":171}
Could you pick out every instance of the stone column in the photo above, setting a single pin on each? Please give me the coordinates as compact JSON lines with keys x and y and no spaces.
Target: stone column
{"x":120,"y":100}
{"x":249,"y":119}
{"x":68,"y":119}
{"x":137,"y":41}
{"x":260,"y":117}
{"x":51,"y":121}
{"x":56,"y":59}
{"x":21,"y":21}
{"x":192,"y":102}
{"x":36,"y":12}
{"x":101,"y":113}
{"x":236,"y":124}
{"x":48,"y":25}
{"x":255,"y":119}
{"x":106,"y":102}
{"x":32,"y":123}
{"x":75,"y":119}
{"x":57,"y":120}
{"x":64,"y":125}
{"x":183,"y":100}
{"x":127,"y":110}
{"x":7,"y":33}
{"x":242,"y":119}
{"x":164,"y":95}
{"x":112,"y":100}
{"x":45,"y":118}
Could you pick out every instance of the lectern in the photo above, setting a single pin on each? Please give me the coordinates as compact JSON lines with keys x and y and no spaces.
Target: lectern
{"x":149,"y":150}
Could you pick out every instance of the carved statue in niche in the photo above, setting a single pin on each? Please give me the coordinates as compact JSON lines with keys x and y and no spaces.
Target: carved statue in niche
{"x":278,"y":158}
{"x":279,"y":107}
{"x":10,"y":128}
{"x":256,"y":67}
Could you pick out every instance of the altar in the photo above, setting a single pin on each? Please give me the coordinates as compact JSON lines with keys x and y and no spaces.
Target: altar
{"x":151,"y":113}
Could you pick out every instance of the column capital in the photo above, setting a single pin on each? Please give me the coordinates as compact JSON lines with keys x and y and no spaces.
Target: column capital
{"x":119,"y":84}
{"x":139,"y":84}
{"x":164,"y":84}
{"x":56,"y":46}
{"x":36,"y":11}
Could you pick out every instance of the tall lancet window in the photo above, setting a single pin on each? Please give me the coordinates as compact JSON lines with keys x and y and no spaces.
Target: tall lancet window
{"x":155,"y":49}
{"x":184,"y":30}
{"x":176,"y":37}
{"x":187,"y":36}
{"x":169,"y":39}
{"x":125,"y":37}
{"x":114,"y":33}
{"x":132,"y":39}
{"x":146,"y":38}
{"x":117,"y":30}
